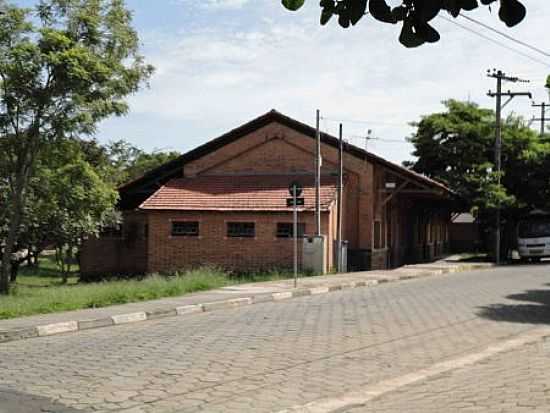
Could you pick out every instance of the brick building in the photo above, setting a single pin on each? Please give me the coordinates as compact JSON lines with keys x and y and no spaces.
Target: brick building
{"x":224,"y":203}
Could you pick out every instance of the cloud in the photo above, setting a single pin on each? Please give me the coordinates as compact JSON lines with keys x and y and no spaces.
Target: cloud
{"x":211,"y":79}
{"x":214,"y":4}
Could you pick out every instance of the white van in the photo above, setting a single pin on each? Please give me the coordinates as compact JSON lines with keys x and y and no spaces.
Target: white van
{"x":534,"y":237}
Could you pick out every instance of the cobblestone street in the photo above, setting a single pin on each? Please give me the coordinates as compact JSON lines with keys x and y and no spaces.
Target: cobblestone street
{"x":516,"y":381}
{"x":271,"y":356}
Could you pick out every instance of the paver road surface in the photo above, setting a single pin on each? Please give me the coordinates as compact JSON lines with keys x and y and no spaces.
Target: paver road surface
{"x":272,"y":356}
{"x":516,"y":381}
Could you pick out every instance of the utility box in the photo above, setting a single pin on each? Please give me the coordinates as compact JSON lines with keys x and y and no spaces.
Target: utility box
{"x":344,"y":255}
{"x":313,"y":255}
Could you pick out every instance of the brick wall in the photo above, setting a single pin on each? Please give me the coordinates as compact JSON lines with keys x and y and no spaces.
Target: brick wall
{"x":213,"y":247}
{"x":277,"y":149}
{"x":126,"y":254}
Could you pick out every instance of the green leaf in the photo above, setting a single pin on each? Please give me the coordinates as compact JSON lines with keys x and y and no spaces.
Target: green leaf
{"x":357,"y":10}
{"x":326,"y":14}
{"x":293,"y":5}
{"x":511,"y":12}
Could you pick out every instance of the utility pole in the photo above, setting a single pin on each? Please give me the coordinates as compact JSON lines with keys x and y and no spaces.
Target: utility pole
{"x":339,"y":261}
{"x":318,"y":177}
{"x":543,"y":107}
{"x":295,"y":233}
{"x":500,"y":77}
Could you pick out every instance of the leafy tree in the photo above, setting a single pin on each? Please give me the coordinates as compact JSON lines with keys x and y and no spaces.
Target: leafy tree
{"x":67,"y":200}
{"x":130,"y":162}
{"x":83,"y":205}
{"x":457,"y":148}
{"x":414,"y":15}
{"x":64,"y":66}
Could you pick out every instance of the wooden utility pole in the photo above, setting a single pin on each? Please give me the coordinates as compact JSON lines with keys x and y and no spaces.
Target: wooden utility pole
{"x":500,"y":77}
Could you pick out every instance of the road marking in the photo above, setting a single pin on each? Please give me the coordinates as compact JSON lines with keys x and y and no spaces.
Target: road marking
{"x":361,"y":397}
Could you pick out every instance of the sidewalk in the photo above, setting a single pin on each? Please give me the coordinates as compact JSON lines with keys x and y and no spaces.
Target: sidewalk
{"x":224,"y":298}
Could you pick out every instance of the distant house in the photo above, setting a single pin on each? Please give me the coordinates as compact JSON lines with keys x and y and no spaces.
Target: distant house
{"x":465,"y":234}
{"x":225,"y":203}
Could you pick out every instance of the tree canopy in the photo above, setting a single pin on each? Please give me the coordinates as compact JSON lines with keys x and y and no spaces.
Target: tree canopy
{"x":457,"y":148}
{"x":72,"y":195}
{"x":413,"y":15}
{"x":64,"y":66}
{"x":131,"y":162}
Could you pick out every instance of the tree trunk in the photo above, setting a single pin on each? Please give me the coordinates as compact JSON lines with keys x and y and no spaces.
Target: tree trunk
{"x":15,"y":215}
{"x":14,"y":271}
{"x":67,"y":267}
{"x":6,"y":271}
{"x":5,"y":275}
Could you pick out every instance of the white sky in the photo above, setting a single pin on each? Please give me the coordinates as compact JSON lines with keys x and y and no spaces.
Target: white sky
{"x":221,"y":63}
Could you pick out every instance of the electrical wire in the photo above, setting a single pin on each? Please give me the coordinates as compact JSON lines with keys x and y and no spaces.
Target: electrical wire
{"x":377,"y":139}
{"x":507,"y":36}
{"x":363,"y":121}
{"x":547,"y":64}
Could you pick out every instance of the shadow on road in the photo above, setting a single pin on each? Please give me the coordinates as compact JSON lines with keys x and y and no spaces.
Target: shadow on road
{"x":12,"y":401}
{"x":534,"y":309}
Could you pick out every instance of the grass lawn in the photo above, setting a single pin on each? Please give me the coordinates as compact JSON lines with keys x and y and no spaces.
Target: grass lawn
{"x":40,"y":291}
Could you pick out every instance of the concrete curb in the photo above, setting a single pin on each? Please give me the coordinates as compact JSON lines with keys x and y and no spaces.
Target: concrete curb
{"x":136,"y":317}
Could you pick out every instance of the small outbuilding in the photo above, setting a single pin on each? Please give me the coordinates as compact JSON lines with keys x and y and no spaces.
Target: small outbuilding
{"x":225,"y":204}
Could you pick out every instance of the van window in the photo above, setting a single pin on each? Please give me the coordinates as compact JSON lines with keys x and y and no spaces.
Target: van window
{"x":534,"y":229}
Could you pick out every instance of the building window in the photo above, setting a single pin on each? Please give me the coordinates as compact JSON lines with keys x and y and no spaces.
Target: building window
{"x":185,"y":229}
{"x":378,"y":235}
{"x":286,"y":229}
{"x":241,"y":229}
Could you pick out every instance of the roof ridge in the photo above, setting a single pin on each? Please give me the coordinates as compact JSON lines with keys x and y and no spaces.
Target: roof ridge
{"x":262,"y":120}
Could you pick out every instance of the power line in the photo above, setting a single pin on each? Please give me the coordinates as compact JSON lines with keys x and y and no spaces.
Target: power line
{"x":367,"y":138}
{"x":536,"y":49}
{"x":547,"y":64}
{"x":363,"y":121}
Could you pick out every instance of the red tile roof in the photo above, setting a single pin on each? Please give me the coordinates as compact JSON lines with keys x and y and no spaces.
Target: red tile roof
{"x":238,"y":193}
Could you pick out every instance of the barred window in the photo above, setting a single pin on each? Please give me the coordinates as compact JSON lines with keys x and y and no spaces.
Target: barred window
{"x":286,"y":229}
{"x":185,"y":229}
{"x":241,"y":229}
